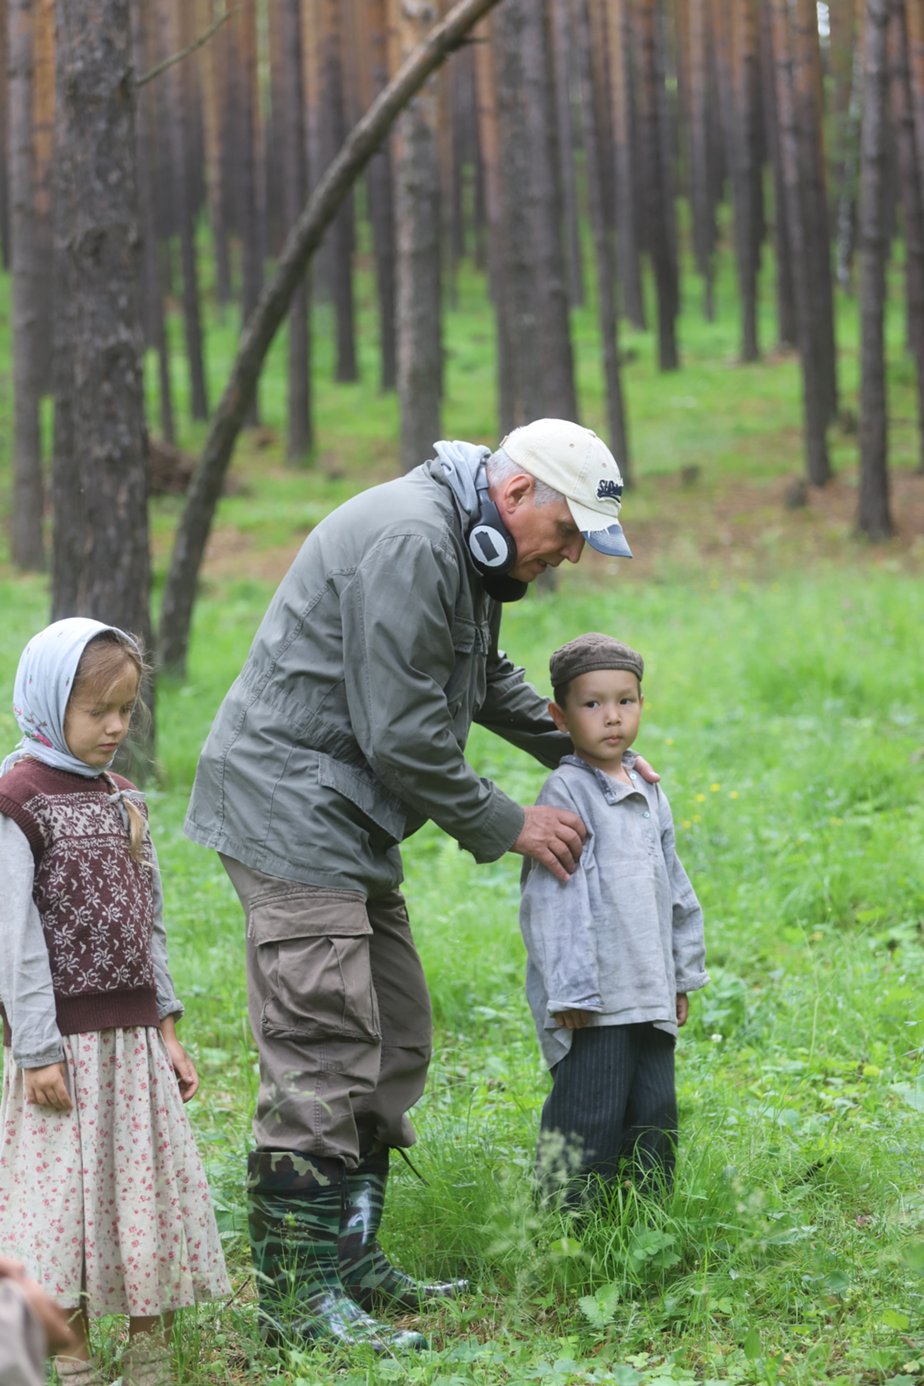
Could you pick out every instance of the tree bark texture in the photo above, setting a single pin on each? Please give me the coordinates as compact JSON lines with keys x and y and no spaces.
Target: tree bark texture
{"x":658,"y":185}
{"x":333,"y":129}
{"x":43,"y":146}
{"x":417,"y":221}
{"x":746,"y":169}
{"x":155,"y":327}
{"x":818,"y":467}
{"x":873,"y":516}
{"x":533,"y":275}
{"x":101,"y":562}
{"x":807,"y":89}
{"x":26,"y":540}
{"x":291,"y":126}
{"x":701,"y":151}
{"x":628,"y":176}
{"x":373,"y":72}
{"x":603,"y":248}
{"x":301,"y":244}
{"x":912,"y":197}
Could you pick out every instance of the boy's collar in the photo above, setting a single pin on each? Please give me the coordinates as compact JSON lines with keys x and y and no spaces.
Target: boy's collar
{"x":613,"y":790}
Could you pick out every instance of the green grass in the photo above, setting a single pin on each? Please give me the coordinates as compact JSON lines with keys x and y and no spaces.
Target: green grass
{"x":784,"y":694}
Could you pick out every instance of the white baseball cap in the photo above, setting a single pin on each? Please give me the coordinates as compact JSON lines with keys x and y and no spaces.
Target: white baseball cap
{"x":576,"y":463}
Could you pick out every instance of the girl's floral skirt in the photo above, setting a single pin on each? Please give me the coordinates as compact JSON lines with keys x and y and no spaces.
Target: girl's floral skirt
{"x":108,"y":1204}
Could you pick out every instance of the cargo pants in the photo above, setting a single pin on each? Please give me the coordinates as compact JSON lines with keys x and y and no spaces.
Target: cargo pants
{"x":340,"y":1013}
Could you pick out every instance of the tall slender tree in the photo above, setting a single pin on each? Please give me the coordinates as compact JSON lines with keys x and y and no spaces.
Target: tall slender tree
{"x":152,"y":270}
{"x":658,"y":184}
{"x":603,"y":248}
{"x":374,"y":71}
{"x":873,"y":514}
{"x":626,"y":146}
{"x":532,"y":282}
{"x":807,"y":96}
{"x":746,"y":167}
{"x":911,"y":196}
{"x":417,"y":219}
{"x":815,"y":414}
{"x":26,"y":541}
{"x":295,"y":186}
{"x":101,"y":560}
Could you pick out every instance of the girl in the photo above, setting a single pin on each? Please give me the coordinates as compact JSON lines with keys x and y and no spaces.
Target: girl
{"x":102,"y":1193}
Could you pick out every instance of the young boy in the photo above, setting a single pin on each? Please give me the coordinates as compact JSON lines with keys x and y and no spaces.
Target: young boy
{"x":614,"y":951}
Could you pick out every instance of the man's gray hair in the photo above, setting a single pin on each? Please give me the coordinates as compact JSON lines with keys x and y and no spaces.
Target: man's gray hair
{"x":500,"y":468}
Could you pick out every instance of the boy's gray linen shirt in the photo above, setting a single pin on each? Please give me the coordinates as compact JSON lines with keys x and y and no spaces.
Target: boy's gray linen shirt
{"x":346,"y":728}
{"x":624,"y":934}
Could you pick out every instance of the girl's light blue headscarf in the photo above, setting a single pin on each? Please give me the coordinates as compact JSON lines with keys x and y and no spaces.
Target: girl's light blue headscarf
{"x":44,"y":680}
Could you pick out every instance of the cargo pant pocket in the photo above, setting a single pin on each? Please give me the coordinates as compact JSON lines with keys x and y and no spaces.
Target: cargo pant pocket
{"x":312,"y":949}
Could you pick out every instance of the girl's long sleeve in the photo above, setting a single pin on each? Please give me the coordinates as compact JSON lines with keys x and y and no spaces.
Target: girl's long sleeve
{"x":25,"y":972}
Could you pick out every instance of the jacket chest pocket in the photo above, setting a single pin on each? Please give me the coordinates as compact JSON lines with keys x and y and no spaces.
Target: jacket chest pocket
{"x":467,"y":683}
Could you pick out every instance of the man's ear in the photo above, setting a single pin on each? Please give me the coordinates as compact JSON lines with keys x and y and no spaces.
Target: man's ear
{"x":558,"y":717}
{"x":514,"y":491}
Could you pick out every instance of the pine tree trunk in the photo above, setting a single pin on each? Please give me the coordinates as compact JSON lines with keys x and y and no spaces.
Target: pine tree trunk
{"x":533,"y":274}
{"x":295,"y":187}
{"x":417,"y":222}
{"x":818,"y":467}
{"x":380,"y":192}
{"x":787,"y":331}
{"x":489,"y":142}
{"x":807,"y":86}
{"x":701,"y":154}
{"x":152,"y":280}
{"x":657,"y":185}
{"x":213,"y":57}
{"x":4,"y":139}
{"x":603,"y":248}
{"x":178,"y":128}
{"x":245,"y":103}
{"x":100,"y":485}
{"x":26,"y":542}
{"x":873,"y":517}
{"x":560,"y":44}
{"x":332,"y":107}
{"x":746,"y":169}
{"x":912,"y":203}
{"x":43,"y":147}
{"x":627,"y":177}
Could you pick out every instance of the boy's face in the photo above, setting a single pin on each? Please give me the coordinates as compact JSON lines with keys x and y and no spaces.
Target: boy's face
{"x":601,"y":715}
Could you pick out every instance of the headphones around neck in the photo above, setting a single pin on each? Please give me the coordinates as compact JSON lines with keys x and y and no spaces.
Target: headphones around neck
{"x":492,"y":547}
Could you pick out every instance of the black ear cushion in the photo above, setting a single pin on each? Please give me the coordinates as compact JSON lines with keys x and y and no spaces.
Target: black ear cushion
{"x":489,"y":541}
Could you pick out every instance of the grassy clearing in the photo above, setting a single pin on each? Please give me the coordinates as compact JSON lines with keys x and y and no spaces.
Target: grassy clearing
{"x":783,"y":710}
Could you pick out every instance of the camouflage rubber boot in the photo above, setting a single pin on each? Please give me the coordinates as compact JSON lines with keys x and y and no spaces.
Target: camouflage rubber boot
{"x":365,"y":1270}
{"x":294,"y":1211}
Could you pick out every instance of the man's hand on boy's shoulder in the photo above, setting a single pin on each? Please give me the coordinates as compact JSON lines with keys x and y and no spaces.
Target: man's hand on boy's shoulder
{"x":572,"y":1020}
{"x":554,"y":837}
{"x":646,"y":771}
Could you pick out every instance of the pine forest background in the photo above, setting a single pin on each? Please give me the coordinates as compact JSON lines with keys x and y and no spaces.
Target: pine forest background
{"x":259,"y":255}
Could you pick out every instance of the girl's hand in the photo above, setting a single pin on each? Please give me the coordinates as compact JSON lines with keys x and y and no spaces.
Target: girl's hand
{"x":183,"y":1066}
{"x":47,"y":1087}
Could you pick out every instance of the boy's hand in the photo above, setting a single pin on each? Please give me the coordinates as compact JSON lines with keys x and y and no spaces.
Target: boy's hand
{"x":553,"y":837}
{"x":683,"y":1007}
{"x":183,"y":1066}
{"x":47,"y":1087}
{"x":572,"y":1020}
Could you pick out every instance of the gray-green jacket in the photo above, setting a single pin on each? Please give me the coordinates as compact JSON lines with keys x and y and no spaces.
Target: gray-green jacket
{"x":346,"y":728}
